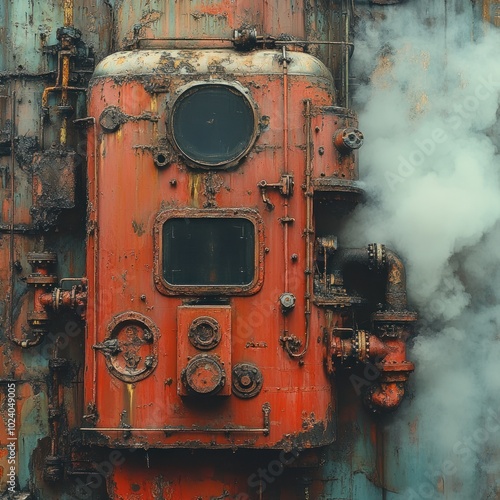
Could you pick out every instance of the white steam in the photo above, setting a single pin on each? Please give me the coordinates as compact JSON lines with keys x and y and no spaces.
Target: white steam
{"x":428,"y":107}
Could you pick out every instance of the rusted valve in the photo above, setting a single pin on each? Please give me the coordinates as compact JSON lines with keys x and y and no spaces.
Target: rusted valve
{"x":348,"y":139}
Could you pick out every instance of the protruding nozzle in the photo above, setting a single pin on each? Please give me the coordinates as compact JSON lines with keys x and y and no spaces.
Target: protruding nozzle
{"x":348,"y":139}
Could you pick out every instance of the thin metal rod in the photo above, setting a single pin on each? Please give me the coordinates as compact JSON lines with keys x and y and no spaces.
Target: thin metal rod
{"x":308,"y":233}
{"x":170,"y":429}
{"x":311,"y":42}
{"x":95,"y":256}
{"x":10,"y":324}
{"x":346,"y":55}
{"x":232,"y":40}
{"x":185,"y":39}
{"x":285,"y":167}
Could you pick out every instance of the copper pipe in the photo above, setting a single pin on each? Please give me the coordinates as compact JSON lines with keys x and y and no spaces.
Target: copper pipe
{"x":63,"y":74}
{"x":64,"y":98}
{"x":390,"y":350}
{"x":68,"y":21}
{"x":68,"y":12}
{"x":47,"y":90}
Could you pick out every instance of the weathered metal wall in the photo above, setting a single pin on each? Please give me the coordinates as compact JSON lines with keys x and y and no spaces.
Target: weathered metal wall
{"x":38,"y":179}
{"x":372,"y":458}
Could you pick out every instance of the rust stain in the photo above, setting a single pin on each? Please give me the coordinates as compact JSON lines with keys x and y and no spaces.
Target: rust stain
{"x":138,"y":228}
{"x":150,"y":17}
{"x":195,"y":185}
{"x":212,"y":184}
{"x":487,"y":10}
{"x":221,"y":10}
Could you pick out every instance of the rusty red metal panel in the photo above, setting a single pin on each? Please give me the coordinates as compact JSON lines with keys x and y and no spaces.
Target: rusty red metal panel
{"x":124,"y":262}
{"x":223,"y":388}
{"x":204,"y":351}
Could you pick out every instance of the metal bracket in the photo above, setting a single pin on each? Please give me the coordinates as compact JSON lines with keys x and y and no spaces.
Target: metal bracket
{"x":285,"y":187}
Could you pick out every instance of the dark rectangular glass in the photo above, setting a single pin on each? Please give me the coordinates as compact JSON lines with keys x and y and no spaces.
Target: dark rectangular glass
{"x":208,"y":251}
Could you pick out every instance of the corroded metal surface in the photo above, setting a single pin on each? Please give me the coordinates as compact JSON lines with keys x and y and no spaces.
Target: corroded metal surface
{"x":193,"y":190}
{"x":117,"y":357}
{"x":199,"y":62}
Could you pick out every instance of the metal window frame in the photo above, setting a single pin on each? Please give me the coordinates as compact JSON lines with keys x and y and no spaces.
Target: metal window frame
{"x":181,"y":93}
{"x":166,"y":288}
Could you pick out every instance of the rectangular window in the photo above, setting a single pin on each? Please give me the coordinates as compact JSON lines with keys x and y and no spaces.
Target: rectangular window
{"x":208,"y":251}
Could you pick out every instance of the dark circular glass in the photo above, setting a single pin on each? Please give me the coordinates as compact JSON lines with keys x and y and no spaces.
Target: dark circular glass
{"x":213,"y":125}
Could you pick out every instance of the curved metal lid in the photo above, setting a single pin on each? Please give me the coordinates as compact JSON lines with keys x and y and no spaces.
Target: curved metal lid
{"x":202,"y":62}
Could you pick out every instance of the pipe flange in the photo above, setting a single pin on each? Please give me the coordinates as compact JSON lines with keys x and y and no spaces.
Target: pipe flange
{"x":361,"y":345}
{"x":41,"y":258}
{"x":41,"y":279}
{"x":376,"y":257}
{"x":394,"y":317}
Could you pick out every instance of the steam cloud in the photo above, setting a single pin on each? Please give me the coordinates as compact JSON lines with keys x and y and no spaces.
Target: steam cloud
{"x":429,"y":103}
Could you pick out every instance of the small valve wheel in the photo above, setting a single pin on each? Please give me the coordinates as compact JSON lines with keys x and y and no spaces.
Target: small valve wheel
{"x":247,"y":380}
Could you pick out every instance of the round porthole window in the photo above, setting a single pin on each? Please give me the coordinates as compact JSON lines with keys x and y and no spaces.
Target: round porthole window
{"x":213,"y":125}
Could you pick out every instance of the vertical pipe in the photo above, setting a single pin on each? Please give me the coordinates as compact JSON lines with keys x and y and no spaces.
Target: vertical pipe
{"x":308,"y":233}
{"x":95,"y":257}
{"x":68,"y":12}
{"x":10,"y":323}
{"x":285,"y":161}
{"x":65,"y":69}
{"x":309,"y":224}
{"x":64,"y":98}
{"x":285,"y":221}
{"x":346,"y":52}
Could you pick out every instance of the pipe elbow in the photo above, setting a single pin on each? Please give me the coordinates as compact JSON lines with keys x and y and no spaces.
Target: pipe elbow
{"x":378,"y":258}
{"x":385,"y":397}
